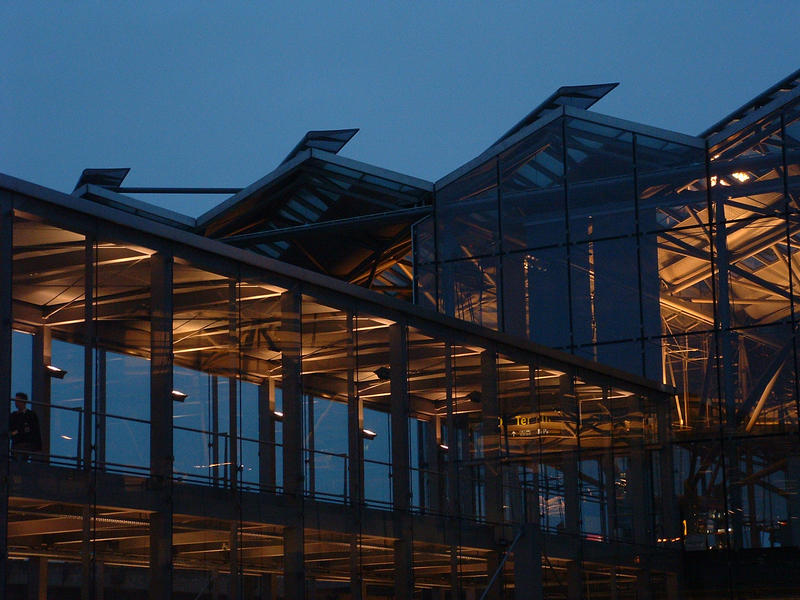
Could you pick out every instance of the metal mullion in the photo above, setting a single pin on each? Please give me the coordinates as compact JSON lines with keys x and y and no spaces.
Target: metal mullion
{"x":6,"y":335}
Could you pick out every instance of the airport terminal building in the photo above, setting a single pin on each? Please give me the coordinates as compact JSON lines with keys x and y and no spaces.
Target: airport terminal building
{"x":566,"y":370}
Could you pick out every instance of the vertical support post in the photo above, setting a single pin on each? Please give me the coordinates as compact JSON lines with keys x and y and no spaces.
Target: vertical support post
{"x":572,"y":523}
{"x":453,"y":453}
{"x":233,"y":406}
{"x":640,"y":485}
{"x":87,"y":550}
{"x":99,"y":581}
{"x":37,"y":578}
{"x":793,"y":487}
{"x":401,"y":480}
{"x":6,"y":321}
{"x":669,"y":505}
{"x":452,"y":437}
{"x":572,"y":507}
{"x":613,"y":592}
{"x":233,"y":434}
{"x":490,"y":439}
{"x":100,"y":418}
{"x":293,"y":534}
{"x":355,"y":464}
{"x":311,"y":484}
{"x":643,"y":588}
{"x":673,"y":587}
{"x":638,"y":481}
{"x":235,"y":583}
{"x":40,"y":385}
{"x":266,"y":434}
{"x":609,"y":481}
{"x":87,"y":554}
{"x":574,"y":580}
{"x":269,"y":586}
{"x":88,"y":355}
{"x":532,"y":509}
{"x":215,"y":430}
{"x":492,"y":469}
{"x":733,"y":491}
{"x":161,"y":451}
{"x":432,"y":466}
{"x":528,"y":564}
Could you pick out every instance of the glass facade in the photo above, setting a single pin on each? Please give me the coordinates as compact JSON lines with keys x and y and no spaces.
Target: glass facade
{"x":662,"y":255}
{"x":248,"y":431}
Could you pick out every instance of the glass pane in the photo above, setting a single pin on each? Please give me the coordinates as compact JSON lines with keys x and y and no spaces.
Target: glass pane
{"x":327,"y":366}
{"x":672,"y":185}
{"x":532,"y":173}
{"x":468,"y":290}
{"x":605,"y":291}
{"x":600,"y":192}
{"x":535,"y":288}
{"x":467,"y":216}
{"x":423,"y":237}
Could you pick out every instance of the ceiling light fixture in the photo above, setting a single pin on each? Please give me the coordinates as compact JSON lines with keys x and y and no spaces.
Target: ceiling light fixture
{"x":55,"y":372}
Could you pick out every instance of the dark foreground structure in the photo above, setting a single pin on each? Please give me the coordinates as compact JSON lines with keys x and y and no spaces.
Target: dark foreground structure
{"x":608,"y":407}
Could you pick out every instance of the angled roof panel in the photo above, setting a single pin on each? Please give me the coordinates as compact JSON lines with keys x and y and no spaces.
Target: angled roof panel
{"x":578,"y":96}
{"x":330,"y":140}
{"x":549,"y":116}
{"x":102,"y":177}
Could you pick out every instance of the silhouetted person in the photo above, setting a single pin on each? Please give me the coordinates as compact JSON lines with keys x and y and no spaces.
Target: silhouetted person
{"x":24,"y":429}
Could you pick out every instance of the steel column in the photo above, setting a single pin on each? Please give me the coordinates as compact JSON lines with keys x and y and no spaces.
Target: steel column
{"x":161,"y":450}
{"x":6,"y":321}
{"x":37,"y":578}
{"x":490,"y":438}
{"x":87,"y":550}
{"x":401,"y":481}
{"x":292,"y":385}
{"x":40,"y":385}
{"x":100,"y":418}
{"x":266,"y":435}
{"x":355,"y":465}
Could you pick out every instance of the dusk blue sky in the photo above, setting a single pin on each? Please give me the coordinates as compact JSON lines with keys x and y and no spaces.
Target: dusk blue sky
{"x":206,"y":94}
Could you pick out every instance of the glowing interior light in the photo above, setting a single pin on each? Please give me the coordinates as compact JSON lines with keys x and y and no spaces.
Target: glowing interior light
{"x":740,"y":176}
{"x":66,"y":437}
{"x":369,"y":434}
{"x":444,"y":447}
{"x":713,"y":180}
{"x":54,"y":371}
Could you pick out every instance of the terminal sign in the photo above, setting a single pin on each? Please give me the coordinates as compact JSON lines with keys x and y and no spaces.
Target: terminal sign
{"x":526,"y":426}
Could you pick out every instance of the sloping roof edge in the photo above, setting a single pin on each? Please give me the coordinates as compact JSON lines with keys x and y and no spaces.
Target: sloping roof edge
{"x":758,"y":104}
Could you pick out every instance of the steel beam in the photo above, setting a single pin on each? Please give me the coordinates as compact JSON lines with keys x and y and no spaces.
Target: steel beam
{"x":335,"y":226}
